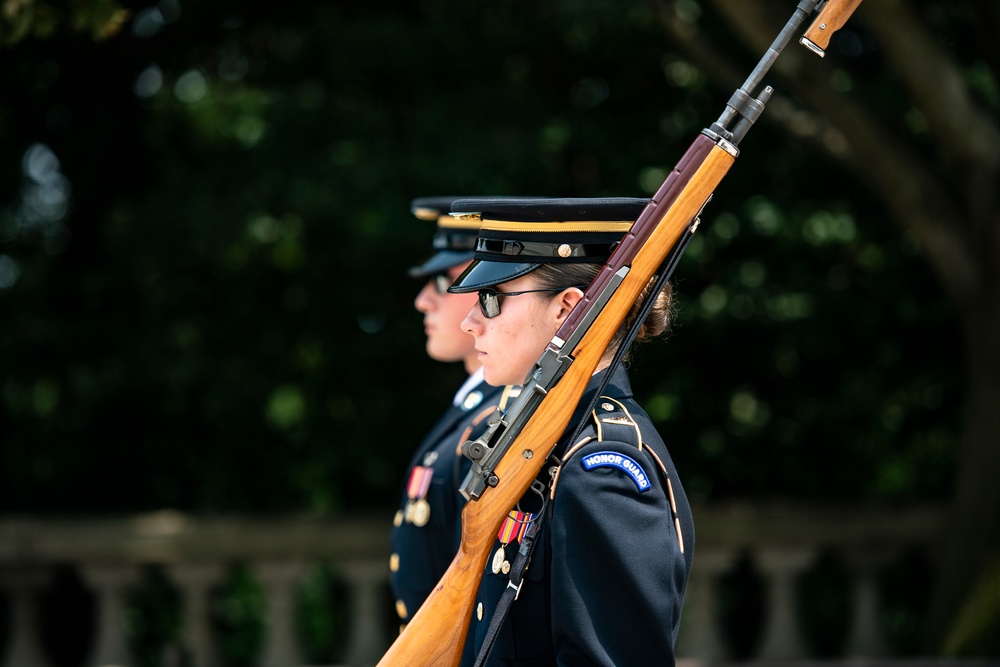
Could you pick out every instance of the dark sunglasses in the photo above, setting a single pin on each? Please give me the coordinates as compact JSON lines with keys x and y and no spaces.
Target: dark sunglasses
{"x":489,"y":298}
{"x":441,"y":281}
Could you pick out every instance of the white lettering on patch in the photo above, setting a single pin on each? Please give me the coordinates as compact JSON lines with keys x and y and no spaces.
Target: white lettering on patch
{"x":620,"y":461}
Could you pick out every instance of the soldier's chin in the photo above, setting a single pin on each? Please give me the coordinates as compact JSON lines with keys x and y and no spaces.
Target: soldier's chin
{"x":442,"y":353}
{"x":490,"y":377}
{"x":495,"y":378}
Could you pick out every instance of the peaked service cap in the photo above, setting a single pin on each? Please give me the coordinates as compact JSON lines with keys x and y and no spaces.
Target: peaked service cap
{"x":517,"y":235}
{"x":454,"y":238}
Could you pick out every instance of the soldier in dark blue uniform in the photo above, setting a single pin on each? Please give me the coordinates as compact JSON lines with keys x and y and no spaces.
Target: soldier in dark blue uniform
{"x":426,"y":528}
{"x":615,"y":536}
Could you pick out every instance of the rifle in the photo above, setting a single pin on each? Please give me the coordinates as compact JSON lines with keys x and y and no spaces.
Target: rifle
{"x":508,"y":458}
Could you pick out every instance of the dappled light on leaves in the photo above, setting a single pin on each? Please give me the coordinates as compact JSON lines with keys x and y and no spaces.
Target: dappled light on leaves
{"x":151,"y":20}
{"x":748,"y":411}
{"x":191,"y":87}
{"x":826,"y":227}
{"x":149,"y":82}
{"x":216,"y":260}
{"x":44,"y":194}
{"x":286,"y":407}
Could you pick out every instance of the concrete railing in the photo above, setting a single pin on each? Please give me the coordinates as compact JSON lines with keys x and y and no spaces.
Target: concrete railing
{"x":110,"y":555}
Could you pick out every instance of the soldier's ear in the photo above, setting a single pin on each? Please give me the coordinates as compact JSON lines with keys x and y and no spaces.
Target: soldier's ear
{"x":565,"y":301}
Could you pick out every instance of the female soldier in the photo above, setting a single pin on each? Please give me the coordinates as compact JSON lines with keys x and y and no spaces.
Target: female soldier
{"x":425,"y":528}
{"x":615,"y":535}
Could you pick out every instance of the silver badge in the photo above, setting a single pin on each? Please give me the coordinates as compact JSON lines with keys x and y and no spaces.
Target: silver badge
{"x":472,"y":400}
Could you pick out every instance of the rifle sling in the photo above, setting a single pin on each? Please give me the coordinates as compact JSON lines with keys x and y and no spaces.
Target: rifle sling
{"x":668,"y":267}
{"x":523,"y":558}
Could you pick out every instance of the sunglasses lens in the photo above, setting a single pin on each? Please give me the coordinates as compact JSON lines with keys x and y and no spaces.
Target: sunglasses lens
{"x":441,"y":283}
{"x":489,"y":303}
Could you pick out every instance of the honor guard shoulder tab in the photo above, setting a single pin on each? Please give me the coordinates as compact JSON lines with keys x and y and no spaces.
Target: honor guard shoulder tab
{"x":612,"y":423}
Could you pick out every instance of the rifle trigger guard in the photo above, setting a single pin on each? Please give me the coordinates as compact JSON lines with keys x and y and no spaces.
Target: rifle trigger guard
{"x":540,"y":490}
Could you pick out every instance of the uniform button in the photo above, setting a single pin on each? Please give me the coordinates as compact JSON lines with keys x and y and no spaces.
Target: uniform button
{"x":479,"y":611}
{"x":401,"y":608}
{"x":394,"y":563}
{"x":472,"y":400}
{"x":397,"y":520}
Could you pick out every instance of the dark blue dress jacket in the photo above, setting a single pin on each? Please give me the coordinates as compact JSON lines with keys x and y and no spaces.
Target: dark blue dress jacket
{"x":422,"y":549}
{"x":606,"y":582}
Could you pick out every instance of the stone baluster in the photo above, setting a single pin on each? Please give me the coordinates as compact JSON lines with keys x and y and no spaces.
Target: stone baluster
{"x":23,"y":586}
{"x":366,"y":581}
{"x":195,"y":582}
{"x":280,"y":581}
{"x":781,"y":568}
{"x":699,"y":633}
{"x":865,"y":639}
{"x":110,"y":585}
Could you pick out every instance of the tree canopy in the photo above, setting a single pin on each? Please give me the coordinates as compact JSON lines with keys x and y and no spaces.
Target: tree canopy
{"x":204,"y":231}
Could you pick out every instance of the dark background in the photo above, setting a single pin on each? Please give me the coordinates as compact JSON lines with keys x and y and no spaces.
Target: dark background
{"x":204,"y":231}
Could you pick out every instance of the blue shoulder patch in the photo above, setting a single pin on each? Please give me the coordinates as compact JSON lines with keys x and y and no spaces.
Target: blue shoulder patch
{"x":620,"y":461}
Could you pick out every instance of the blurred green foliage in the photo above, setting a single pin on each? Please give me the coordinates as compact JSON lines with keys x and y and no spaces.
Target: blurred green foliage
{"x":23,"y":19}
{"x":238,"y":612}
{"x":204,"y":234}
{"x":204,"y":231}
{"x":153,"y":618}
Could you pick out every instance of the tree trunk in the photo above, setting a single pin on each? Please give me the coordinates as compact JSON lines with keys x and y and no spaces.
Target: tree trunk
{"x":953,"y":212}
{"x":971,"y":543}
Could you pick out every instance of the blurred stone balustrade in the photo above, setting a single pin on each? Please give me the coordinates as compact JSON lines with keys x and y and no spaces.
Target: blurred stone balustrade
{"x":109,"y":556}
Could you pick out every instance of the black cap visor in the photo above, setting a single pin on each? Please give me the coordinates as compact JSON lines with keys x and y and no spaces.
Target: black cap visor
{"x":439,"y":263}
{"x":484,"y":273}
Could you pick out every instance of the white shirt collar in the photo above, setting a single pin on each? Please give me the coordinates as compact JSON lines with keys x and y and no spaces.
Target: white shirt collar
{"x":471,"y":383}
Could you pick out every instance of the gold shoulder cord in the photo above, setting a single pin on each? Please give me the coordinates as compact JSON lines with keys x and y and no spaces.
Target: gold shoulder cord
{"x":509,"y":392}
{"x":604,"y":400}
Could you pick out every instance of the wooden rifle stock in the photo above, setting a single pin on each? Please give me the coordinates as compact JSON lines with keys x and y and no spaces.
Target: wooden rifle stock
{"x":435,"y":637}
{"x":428,"y":639}
{"x":831,"y":18}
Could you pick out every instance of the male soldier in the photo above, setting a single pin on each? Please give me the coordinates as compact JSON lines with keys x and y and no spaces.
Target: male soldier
{"x":427,"y":527}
